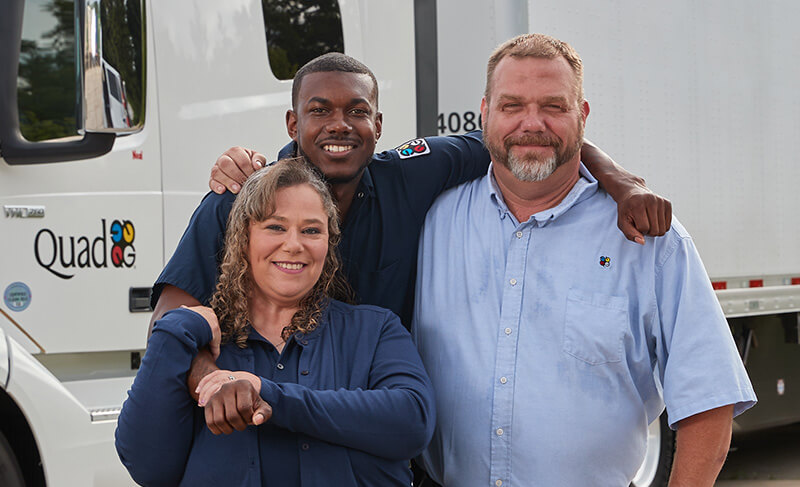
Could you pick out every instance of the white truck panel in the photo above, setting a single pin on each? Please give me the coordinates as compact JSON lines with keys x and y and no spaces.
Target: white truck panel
{"x":699,"y":99}
{"x":701,"y":111}
{"x":74,"y":450}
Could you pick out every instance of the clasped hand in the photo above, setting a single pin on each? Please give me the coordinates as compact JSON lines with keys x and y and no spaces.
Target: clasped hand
{"x":231,"y":398}
{"x":232,"y":401}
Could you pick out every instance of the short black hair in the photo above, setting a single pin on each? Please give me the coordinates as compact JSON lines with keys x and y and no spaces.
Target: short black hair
{"x":333,"y":62}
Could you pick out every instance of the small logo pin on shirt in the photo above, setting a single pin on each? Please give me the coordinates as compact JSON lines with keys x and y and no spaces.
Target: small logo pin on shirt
{"x":605,"y":261}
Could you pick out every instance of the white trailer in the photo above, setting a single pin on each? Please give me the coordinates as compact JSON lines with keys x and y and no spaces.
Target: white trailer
{"x":695,"y":98}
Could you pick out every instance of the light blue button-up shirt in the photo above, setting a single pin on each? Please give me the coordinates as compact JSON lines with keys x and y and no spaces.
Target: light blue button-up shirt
{"x":552,"y":343}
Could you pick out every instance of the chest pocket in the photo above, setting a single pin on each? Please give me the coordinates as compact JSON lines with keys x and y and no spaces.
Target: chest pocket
{"x":594,"y":327}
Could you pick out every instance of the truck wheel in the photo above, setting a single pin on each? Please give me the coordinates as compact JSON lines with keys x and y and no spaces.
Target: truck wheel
{"x":10,"y":473}
{"x":657,"y":463}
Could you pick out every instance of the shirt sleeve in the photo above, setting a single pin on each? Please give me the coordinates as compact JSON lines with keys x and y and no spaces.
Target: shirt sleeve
{"x":393,"y":419}
{"x":698,"y":360}
{"x":156,"y":425}
{"x":440,"y":164}
{"x":194,"y":265}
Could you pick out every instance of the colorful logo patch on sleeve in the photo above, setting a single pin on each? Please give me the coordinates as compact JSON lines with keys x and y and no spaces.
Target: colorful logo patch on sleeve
{"x":413,"y":148}
{"x":605,"y":261}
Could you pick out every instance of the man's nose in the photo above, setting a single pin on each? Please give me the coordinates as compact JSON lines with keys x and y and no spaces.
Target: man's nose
{"x":338,"y":123}
{"x":533,"y":121}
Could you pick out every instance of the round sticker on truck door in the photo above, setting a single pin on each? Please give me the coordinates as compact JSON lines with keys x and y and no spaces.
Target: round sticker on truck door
{"x":17,"y":296}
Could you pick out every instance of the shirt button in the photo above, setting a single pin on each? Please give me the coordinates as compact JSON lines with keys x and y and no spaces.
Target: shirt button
{"x":519,"y":235}
{"x":305,"y":447}
{"x":305,"y":372}
{"x":503,"y":380}
{"x":304,"y":342}
{"x":360,"y":194}
{"x":279,"y":366}
{"x":508,"y":331}
{"x":498,"y":482}
{"x":513,"y":282}
{"x":499,"y":431}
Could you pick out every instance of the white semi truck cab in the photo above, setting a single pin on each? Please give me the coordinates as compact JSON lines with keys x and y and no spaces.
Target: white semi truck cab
{"x":113,"y":111}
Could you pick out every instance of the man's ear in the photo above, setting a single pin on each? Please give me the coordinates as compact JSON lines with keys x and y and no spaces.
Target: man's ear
{"x":291,"y":124}
{"x":585,"y":111}
{"x":378,"y":125}
{"x":484,"y":108}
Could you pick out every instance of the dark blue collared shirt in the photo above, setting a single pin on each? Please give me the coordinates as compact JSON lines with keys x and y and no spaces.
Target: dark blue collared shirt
{"x":379,"y":236}
{"x":351,"y":404}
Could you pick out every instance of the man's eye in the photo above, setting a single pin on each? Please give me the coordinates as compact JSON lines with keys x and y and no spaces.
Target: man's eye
{"x":317,"y":110}
{"x":510,"y":106}
{"x":359,"y":111}
{"x":554,"y":106}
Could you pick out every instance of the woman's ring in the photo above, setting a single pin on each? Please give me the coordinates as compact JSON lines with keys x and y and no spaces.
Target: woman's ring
{"x":231,"y":377}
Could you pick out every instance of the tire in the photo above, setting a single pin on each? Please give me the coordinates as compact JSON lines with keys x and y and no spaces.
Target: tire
{"x":657,"y":464}
{"x":10,"y":473}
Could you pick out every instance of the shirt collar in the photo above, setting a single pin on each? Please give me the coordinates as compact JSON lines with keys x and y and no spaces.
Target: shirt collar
{"x":302,"y":339}
{"x":585,"y":187}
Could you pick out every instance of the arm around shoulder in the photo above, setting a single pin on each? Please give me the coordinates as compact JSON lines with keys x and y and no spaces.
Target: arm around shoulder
{"x":639,"y":211}
{"x":155,"y":428}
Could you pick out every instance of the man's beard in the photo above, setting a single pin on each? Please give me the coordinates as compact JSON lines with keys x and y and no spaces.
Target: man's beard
{"x":531,"y":167}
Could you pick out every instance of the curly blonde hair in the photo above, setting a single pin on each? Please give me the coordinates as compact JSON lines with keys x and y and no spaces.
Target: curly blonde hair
{"x":256,"y":203}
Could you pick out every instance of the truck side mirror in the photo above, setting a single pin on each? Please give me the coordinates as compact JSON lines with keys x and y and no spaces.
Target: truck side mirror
{"x":109,"y":62}
{"x":112,"y":68}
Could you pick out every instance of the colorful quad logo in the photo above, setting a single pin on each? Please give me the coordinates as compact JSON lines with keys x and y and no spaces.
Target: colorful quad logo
{"x":413,"y":148}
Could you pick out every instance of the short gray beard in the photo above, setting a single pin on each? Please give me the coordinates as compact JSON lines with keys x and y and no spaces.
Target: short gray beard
{"x":531,"y":170}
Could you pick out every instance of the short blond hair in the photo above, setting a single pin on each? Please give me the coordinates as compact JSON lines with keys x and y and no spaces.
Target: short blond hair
{"x":537,"y":46}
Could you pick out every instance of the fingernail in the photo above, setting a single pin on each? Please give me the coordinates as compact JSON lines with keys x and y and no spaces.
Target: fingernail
{"x":235,"y":187}
{"x":201,"y":403}
{"x":640,"y":240}
{"x":220,"y":189}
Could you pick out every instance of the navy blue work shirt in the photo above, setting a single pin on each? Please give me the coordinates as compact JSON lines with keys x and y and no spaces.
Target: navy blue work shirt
{"x":379,"y":235}
{"x":351,"y":404}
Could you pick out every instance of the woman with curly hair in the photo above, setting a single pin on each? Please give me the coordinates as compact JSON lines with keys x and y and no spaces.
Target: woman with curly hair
{"x":312,"y":391}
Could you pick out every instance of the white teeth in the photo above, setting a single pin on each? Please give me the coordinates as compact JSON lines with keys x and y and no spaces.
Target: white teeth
{"x":286,"y":265}
{"x":337,"y":148}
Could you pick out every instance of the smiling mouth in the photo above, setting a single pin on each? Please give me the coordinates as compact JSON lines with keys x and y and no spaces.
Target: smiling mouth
{"x":332,"y":148}
{"x":289,"y":266}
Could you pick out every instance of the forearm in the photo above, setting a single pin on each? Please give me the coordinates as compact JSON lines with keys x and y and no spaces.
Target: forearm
{"x":703,"y":441}
{"x":611,"y":176}
{"x":155,"y":427}
{"x":390,"y":423}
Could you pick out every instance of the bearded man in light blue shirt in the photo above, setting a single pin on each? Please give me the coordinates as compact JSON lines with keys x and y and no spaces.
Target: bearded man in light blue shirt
{"x":551,"y":340}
